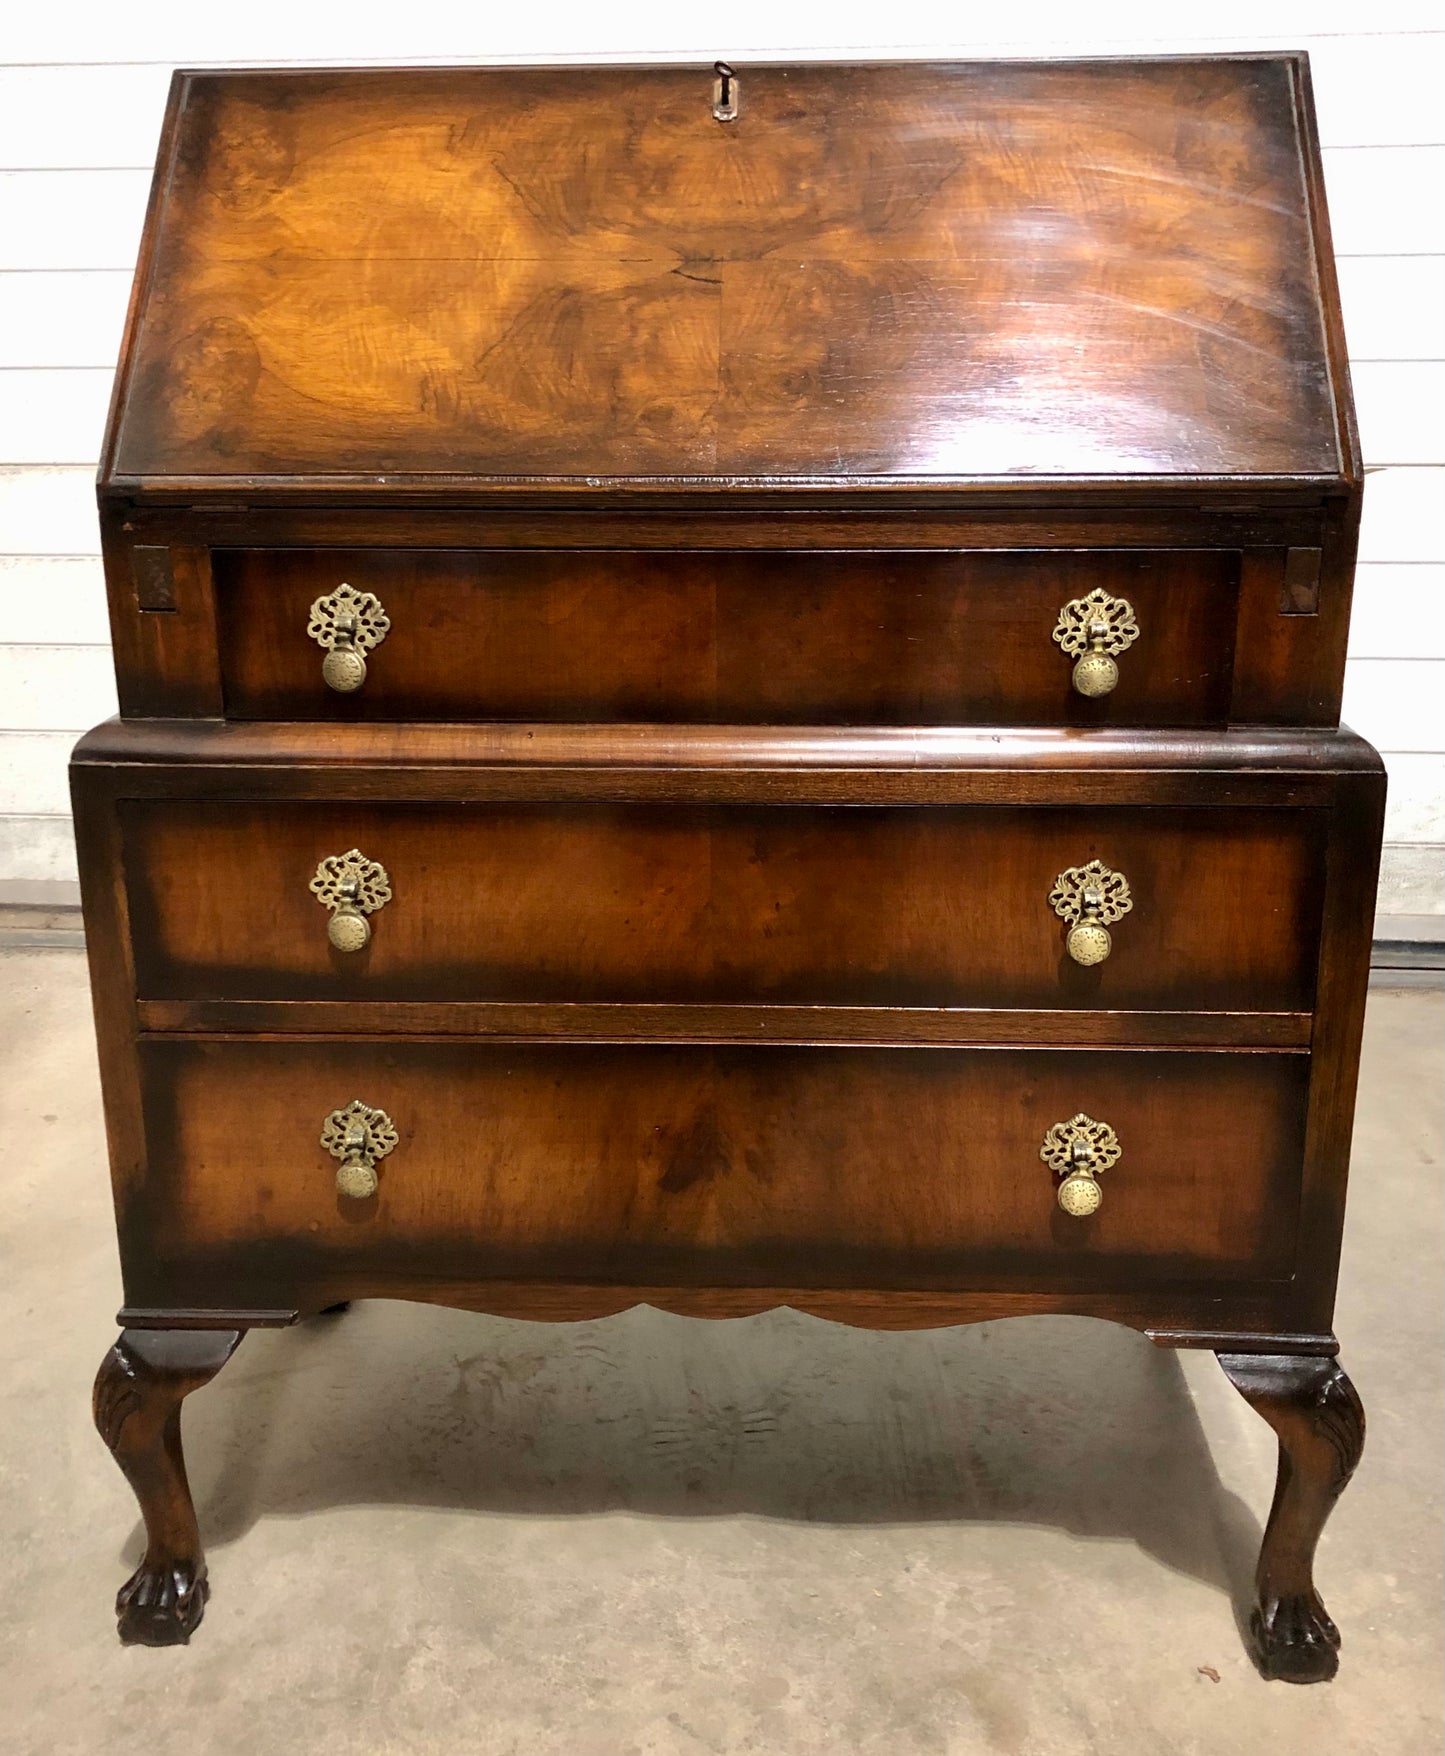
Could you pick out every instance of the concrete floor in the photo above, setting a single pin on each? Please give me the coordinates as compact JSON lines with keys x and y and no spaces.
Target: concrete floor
{"x":431,"y":1531}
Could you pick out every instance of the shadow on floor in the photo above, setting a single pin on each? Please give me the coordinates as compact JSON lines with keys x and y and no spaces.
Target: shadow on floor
{"x":1052,"y":1422}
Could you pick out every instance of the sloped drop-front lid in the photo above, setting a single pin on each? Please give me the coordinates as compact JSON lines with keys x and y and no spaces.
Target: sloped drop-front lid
{"x":907,"y":275}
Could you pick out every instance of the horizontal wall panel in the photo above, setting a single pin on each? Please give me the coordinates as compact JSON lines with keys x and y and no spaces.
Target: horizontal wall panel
{"x":69,"y":318}
{"x":1403,"y":518}
{"x":37,"y":850}
{"x":275,"y":30}
{"x":1412,"y":879}
{"x":80,"y":118}
{"x":48,"y":512}
{"x":1394,"y":306}
{"x":1415,"y":810}
{"x":49,"y":416}
{"x":1385,"y":201}
{"x":1398,"y":704}
{"x":1377,"y":90}
{"x":53,"y":600}
{"x":33,"y":780}
{"x":1399,"y":404}
{"x":55,"y":688}
{"x":71,"y":219}
{"x":1398,"y":611}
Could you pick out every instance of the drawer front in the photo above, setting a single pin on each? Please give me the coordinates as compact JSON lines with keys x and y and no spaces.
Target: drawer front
{"x":890,"y":638}
{"x":888,"y":1168}
{"x":935,"y":906}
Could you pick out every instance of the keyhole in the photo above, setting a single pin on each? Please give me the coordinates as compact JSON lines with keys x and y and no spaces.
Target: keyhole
{"x":724,"y":92}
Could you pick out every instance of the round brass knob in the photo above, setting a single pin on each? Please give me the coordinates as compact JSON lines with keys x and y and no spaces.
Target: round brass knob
{"x":1093,"y":630}
{"x":358,"y":1135}
{"x":348,"y":624}
{"x":1087,"y":943}
{"x":349,"y":930}
{"x":343,"y":669}
{"x":1078,"y":1151}
{"x":352,"y":887}
{"x":1090,"y":898}
{"x":1094,"y":674}
{"x":356,"y":1179}
{"x":1080,"y":1195}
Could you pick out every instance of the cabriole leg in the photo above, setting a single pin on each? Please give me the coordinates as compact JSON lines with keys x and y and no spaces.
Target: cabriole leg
{"x":138,"y":1394}
{"x":1316,"y":1413}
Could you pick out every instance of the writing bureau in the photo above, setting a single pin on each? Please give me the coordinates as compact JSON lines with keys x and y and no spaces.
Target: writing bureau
{"x":729,"y":690}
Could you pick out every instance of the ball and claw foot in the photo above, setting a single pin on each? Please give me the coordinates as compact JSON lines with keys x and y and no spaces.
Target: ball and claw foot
{"x":1295,"y":1641}
{"x":139,"y":1389}
{"x":161,"y":1606}
{"x":1320,"y":1425}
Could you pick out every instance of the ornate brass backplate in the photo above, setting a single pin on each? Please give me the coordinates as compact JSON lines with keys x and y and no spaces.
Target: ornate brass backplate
{"x":1090,"y":898}
{"x":1094,"y":630}
{"x":1078,"y":1150}
{"x":348,"y":624}
{"x":358,"y":1135}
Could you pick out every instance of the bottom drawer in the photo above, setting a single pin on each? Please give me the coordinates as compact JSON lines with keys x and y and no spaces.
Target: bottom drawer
{"x":885,"y":1168}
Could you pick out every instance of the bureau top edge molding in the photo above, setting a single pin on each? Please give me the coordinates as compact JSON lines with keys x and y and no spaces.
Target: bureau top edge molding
{"x":620,"y":748}
{"x":900,"y":278}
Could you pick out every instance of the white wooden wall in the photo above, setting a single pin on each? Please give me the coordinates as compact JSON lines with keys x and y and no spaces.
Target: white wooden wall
{"x":81,"y":97}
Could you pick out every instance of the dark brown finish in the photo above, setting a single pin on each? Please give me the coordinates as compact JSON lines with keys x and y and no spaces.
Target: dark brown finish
{"x":703,"y":1166}
{"x":723,"y":484}
{"x":1316,"y":1413}
{"x":634,"y":1021}
{"x":900,"y":273}
{"x":155,"y":586}
{"x":1300,"y":594}
{"x":893,"y":638}
{"x":727,"y":904}
{"x":138,"y":1394}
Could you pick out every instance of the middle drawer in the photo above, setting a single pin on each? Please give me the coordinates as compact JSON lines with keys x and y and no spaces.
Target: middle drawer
{"x":871,"y":906}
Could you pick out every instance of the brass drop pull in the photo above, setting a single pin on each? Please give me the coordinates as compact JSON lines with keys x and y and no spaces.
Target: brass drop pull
{"x":1090,"y":898}
{"x":358,"y":1136}
{"x":352,"y":887}
{"x":349,"y":624}
{"x":1077,"y":1151}
{"x":1093,"y":631}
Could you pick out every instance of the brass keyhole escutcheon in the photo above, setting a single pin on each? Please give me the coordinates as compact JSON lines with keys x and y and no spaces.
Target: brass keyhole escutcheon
{"x":1093,"y":631}
{"x":1078,"y":1151}
{"x":348,"y":624}
{"x":352,"y":887}
{"x":1090,"y":898}
{"x":358,"y":1135}
{"x":724,"y":93}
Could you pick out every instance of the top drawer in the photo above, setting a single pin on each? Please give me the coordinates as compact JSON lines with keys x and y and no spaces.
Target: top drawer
{"x":902,"y":637}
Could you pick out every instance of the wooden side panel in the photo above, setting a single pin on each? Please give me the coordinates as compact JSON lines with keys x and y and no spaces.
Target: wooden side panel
{"x":608,"y":902}
{"x":901,"y":638}
{"x":811,"y":1167}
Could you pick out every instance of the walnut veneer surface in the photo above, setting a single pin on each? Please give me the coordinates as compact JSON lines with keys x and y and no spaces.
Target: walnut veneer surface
{"x":716,"y":490}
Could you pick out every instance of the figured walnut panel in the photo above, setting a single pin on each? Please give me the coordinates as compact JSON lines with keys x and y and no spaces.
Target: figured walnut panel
{"x":907,"y":638}
{"x":763,"y":1166}
{"x":920,"y":271}
{"x":613,"y":902}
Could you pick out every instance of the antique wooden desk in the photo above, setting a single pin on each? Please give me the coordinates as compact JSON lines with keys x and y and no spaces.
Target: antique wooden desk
{"x":729,"y":697}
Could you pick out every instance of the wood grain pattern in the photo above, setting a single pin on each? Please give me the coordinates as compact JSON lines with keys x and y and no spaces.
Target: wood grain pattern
{"x":931,"y":908}
{"x":709,"y":1166}
{"x":906,"y":273}
{"x":779,"y":639}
